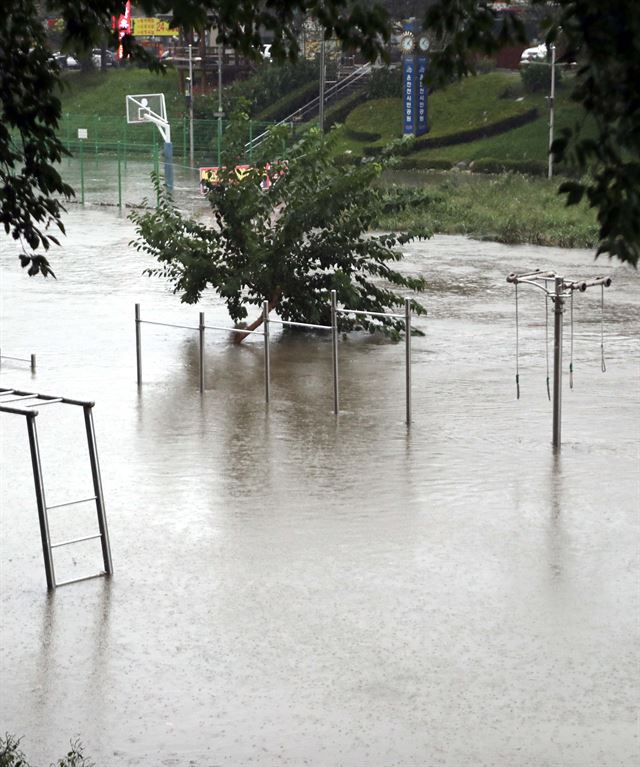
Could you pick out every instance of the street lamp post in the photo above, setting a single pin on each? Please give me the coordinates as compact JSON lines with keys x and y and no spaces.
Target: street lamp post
{"x":551,"y":107}
{"x":220,"y":61}
{"x":190,"y":108}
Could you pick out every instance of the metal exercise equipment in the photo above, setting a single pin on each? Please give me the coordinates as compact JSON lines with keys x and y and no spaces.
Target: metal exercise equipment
{"x":266,"y":334}
{"x":561,"y":290}
{"x":8,"y":396}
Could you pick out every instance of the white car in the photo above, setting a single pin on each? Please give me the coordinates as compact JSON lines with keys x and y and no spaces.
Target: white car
{"x":537,"y":53}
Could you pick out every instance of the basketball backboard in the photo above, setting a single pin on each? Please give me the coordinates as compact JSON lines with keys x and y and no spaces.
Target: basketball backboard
{"x":146,"y":107}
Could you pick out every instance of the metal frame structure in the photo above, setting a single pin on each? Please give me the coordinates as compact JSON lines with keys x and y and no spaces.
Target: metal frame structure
{"x":266,"y":334}
{"x":561,"y":290}
{"x":29,"y":412}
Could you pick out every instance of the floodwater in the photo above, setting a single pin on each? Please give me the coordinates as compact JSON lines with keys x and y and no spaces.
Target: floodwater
{"x":296,"y":589}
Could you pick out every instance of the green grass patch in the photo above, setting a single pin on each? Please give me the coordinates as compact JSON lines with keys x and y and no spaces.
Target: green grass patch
{"x":510,"y":209}
{"x":103,"y":93}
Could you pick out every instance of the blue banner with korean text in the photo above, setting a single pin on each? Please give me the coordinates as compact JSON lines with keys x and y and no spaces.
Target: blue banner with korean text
{"x":421,"y":98}
{"x":408,"y":94}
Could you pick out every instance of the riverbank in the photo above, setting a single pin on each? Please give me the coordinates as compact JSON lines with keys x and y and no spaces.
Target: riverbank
{"x":510,"y":208}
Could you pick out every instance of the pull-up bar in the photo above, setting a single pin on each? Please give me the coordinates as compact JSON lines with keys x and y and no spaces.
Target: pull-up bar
{"x":561,"y":290}
{"x":265,"y":333}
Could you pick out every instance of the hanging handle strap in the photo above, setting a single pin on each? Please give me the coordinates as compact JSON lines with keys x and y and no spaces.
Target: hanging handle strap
{"x":546,"y":342}
{"x":571,"y":358}
{"x":517,"y":348}
{"x":603,"y":364}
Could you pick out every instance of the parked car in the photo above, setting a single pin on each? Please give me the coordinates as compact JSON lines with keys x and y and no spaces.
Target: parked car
{"x":64,"y":60}
{"x":536,"y":53}
{"x":96,"y":58}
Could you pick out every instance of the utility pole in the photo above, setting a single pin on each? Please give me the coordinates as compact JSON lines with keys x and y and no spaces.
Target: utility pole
{"x":322,"y":79}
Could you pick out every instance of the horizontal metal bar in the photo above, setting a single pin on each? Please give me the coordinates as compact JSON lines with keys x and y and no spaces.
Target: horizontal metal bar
{"x":101,"y":574}
{"x":582,"y":285}
{"x":71,"y":503}
{"x":301,"y":324}
{"x":16,"y":399}
{"x":66,"y":400}
{"x":47,"y":402}
{"x":18,"y":359}
{"x":168,"y":325}
{"x":18,"y":411}
{"x":535,"y":285}
{"x":513,"y":277}
{"x":5,"y":392}
{"x":76,"y":540}
{"x":231,"y":330}
{"x":371,"y":314}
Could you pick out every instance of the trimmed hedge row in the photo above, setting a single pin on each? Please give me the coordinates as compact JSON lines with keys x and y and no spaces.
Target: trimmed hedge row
{"x":339,"y":111}
{"x":361,"y":135}
{"x":289,"y":103}
{"x":464,"y":137}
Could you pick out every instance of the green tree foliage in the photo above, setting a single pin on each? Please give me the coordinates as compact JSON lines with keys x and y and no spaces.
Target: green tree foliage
{"x":290,"y":245}
{"x":604,"y":38}
{"x":29,"y":147}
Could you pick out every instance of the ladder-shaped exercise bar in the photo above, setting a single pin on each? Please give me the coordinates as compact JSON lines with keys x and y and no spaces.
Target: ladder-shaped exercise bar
{"x":7,"y":398}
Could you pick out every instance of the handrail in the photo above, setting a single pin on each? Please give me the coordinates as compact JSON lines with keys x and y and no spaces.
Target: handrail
{"x":338,"y":87}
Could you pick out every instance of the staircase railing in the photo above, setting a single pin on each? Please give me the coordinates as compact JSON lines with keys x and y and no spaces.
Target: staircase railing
{"x":299,"y":113}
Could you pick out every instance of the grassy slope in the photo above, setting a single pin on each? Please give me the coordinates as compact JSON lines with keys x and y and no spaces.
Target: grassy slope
{"x":468,"y":104}
{"x":103,"y":93}
{"x":462,"y":106}
{"x":509,"y":208}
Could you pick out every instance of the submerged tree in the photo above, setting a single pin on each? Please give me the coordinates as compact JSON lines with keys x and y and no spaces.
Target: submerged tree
{"x":290,"y":244}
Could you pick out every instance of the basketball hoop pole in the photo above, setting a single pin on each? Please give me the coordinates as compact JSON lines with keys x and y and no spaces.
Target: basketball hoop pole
{"x":165,"y":132}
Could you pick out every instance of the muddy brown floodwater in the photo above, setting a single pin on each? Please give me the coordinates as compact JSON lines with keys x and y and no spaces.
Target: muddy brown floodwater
{"x":291,"y":588}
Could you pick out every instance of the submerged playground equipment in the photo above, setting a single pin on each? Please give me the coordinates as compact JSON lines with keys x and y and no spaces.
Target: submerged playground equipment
{"x":265,"y":333}
{"x":7,"y":398}
{"x":556,"y":289}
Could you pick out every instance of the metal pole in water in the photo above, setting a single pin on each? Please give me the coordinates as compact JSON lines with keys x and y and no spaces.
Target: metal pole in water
{"x":97,"y":488}
{"x":201,"y":334}
{"x":138,"y":346}
{"x":42,"y":508}
{"x":557,"y":361}
{"x":334,"y":349}
{"x":267,"y":355}
{"x":33,"y":363}
{"x":407,"y":330}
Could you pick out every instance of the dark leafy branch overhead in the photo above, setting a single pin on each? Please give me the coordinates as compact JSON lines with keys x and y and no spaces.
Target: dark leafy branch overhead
{"x":603,"y":37}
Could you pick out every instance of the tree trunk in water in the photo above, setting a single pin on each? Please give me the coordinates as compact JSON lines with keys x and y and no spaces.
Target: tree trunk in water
{"x":238,"y":338}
